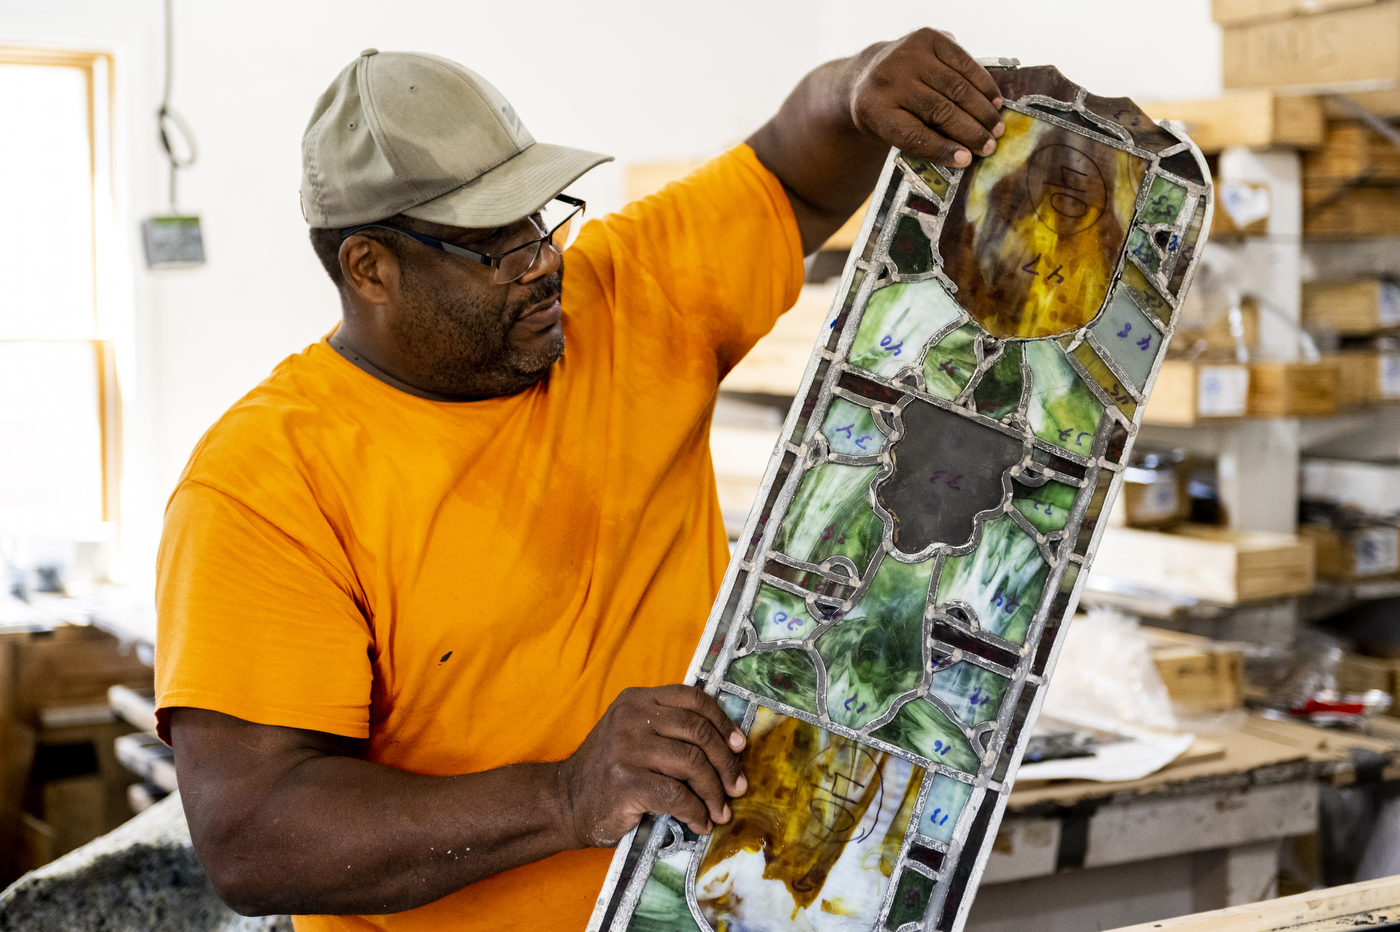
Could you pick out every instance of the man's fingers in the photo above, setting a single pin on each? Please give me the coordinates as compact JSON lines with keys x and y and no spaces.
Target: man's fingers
{"x":672,"y":797}
{"x":693,"y":728}
{"x":971,"y":101}
{"x":950,"y":119}
{"x":702,"y":703}
{"x":908,"y":133}
{"x":956,"y":57}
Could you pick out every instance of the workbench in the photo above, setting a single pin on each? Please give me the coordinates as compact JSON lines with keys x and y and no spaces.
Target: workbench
{"x":1201,"y":834}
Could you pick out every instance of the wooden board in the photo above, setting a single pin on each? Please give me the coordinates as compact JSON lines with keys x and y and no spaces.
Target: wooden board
{"x":1292,"y":389}
{"x":1357,"y":47}
{"x":1351,"y":149}
{"x":1208,"y":562}
{"x":1189,"y":392}
{"x":1358,"y":674}
{"x":1352,"y":908}
{"x":1240,"y":12}
{"x":1362,"y":211}
{"x":1251,"y":118}
{"x":1360,"y":307}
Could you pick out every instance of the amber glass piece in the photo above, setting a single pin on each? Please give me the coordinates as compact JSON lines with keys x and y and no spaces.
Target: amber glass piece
{"x":1033,"y":237}
{"x":1093,"y":365}
{"x":1148,"y":293}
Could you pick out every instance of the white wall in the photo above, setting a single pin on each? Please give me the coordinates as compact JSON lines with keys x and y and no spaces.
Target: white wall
{"x":638,"y":80}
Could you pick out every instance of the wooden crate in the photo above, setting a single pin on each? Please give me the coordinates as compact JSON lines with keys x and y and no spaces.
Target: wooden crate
{"x":1161,"y":503}
{"x":1358,"y":553}
{"x":1342,"y":47}
{"x":1189,"y":392}
{"x":1202,"y":676}
{"x":1360,"y":307}
{"x":1208,"y":562}
{"x":1351,"y":149}
{"x":1361,"y":211}
{"x":1243,"y":12}
{"x":1292,"y":389}
{"x":1366,"y":377}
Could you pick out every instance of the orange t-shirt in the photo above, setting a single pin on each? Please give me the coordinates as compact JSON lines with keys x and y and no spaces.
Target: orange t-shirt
{"x":469,"y":585}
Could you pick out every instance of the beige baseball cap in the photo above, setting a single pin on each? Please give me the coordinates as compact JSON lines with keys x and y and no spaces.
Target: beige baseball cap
{"x":417,"y":134}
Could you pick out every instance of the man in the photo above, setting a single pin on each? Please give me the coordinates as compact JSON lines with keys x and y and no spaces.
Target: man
{"x":420,"y":590}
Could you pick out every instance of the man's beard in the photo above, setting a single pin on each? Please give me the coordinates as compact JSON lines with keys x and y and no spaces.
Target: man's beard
{"x":464,"y":341}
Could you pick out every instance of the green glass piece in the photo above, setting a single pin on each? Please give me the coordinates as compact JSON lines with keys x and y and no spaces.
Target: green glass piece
{"x":898,"y":321}
{"x":1163,"y":202}
{"x":785,"y":675}
{"x":876,"y":652}
{"x":850,"y":429}
{"x":1047,"y":506}
{"x":662,"y":906}
{"x":972,"y":692}
{"x":950,"y":363}
{"x":1062,"y":410}
{"x":1001,"y":580}
{"x":778,"y":614}
{"x":927,"y":173}
{"x":910,"y":249}
{"x":910,"y":899}
{"x":1140,"y":245}
{"x":946,"y":798}
{"x":734,"y":706}
{"x":919,"y":727}
{"x":1128,"y":337}
{"x":831,"y":516}
{"x":999,"y":392}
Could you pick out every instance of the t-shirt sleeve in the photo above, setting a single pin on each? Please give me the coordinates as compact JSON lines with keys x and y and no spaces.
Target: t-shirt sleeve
{"x":721,"y":247}
{"x":257,"y":621}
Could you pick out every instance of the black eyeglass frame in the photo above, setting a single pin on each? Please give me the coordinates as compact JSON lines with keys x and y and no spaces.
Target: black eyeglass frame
{"x":578,"y":205}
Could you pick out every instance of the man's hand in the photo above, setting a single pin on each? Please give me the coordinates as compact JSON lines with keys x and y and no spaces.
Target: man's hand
{"x":670,"y":749}
{"x":922,"y":94}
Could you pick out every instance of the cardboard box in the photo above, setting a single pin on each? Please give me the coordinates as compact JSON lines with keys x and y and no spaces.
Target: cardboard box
{"x":1208,"y":562}
{"x":1292,"y":389}
{"x":1371,"y":488}
{"x":1366,"y":377}
{"x":1356,"y":48}
{"x":1352,"y":308}
{"x":1202,"y":676}
{"x":1357,"y":553}
{"x":1359,"y":674}
{"x":1189,"y":392}
{"x":1251,"y":118}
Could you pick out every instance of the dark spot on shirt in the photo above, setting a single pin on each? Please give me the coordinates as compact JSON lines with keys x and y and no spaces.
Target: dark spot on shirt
{"x":445,"y":656}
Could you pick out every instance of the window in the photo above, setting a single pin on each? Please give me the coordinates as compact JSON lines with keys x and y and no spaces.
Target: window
{"x":58,"y":399}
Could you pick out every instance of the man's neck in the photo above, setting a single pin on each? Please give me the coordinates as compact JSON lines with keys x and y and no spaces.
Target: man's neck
{"x":341,"y":346}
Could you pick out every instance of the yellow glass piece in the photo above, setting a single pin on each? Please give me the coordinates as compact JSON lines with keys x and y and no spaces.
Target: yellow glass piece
{"x":1107,"y":380}
{"x":1035,"y":233}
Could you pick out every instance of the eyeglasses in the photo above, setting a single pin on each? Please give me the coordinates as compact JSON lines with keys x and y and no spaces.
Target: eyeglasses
{"x":557,"y":223}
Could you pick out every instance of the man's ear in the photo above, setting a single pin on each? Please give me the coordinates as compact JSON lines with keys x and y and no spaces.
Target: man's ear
{"x":370,"y":269}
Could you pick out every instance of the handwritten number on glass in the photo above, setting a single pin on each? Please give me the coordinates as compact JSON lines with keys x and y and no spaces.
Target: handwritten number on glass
{"x":890,"y":346}
{"x":951,"y":483}
{"x":782,"y":618}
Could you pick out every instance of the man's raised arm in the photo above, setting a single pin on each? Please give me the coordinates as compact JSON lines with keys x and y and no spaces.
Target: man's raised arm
{"x":922,"y":94}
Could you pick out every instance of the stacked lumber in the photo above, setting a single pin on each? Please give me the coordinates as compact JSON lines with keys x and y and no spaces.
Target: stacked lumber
{"x":1207,"y":562}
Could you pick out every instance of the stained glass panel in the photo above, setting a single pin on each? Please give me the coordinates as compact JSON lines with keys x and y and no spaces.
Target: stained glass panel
{"x":892,"y":613}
